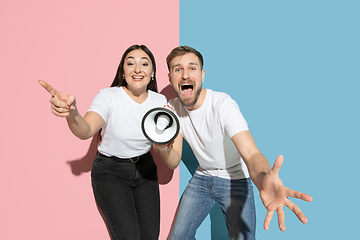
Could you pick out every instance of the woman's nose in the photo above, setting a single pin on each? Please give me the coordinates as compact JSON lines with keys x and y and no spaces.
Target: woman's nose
{"x":137,"y":68}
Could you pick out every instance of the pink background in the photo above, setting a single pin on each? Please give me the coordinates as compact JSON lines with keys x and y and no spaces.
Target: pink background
{"x":76,"y":46}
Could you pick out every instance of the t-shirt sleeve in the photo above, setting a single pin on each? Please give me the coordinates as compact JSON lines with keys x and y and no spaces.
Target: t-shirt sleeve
{"x":101,"y":104}
{"x":232,"y":119}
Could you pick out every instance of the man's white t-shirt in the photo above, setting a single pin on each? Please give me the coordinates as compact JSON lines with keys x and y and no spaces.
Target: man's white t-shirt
{"x":122,"y":135}
{"x":209,"y":130}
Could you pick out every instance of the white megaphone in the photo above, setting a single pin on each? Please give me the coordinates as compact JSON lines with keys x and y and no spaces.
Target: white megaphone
{"x":160,"y":125}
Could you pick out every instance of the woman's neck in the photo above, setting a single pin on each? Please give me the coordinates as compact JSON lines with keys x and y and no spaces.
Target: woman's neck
{"x":138,"y":96}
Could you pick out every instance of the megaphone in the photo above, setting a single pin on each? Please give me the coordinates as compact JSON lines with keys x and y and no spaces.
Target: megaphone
{"x":160,"y":125}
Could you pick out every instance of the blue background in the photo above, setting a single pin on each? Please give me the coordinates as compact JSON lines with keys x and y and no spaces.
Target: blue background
{"x":293,"y":68}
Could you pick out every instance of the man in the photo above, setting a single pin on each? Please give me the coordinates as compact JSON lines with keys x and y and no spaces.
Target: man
{"x":216,"y":131}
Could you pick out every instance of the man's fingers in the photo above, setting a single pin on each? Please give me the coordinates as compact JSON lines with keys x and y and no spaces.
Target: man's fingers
{"x":299,"y":195}
{"x":300,"y":215}
{"x":281,"y":218}
{"x":277,"y":164}
{"x":48,"y":88}
{"x":268,"y":218}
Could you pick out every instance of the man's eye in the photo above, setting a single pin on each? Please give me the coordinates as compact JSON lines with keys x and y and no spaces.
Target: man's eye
{"x":177,"y":70}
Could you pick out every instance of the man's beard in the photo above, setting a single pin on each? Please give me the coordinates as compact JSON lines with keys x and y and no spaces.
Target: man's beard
{"x":191,"y":103}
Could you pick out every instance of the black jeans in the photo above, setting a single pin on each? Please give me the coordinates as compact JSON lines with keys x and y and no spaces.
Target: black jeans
{"x":127,"y":195}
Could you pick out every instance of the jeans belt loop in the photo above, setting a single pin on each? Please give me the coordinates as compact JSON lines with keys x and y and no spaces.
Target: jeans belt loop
{"x":134,"y":161}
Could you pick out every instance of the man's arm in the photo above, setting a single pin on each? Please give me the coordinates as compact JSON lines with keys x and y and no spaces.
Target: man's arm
{"x":257,"y":164}
{"x":273,"y":193}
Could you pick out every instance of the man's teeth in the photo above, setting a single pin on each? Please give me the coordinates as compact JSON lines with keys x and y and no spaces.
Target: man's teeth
{"x":186,"y":86}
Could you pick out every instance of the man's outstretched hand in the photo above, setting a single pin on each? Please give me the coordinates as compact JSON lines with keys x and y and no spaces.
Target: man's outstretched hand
{"x":275,"y":195}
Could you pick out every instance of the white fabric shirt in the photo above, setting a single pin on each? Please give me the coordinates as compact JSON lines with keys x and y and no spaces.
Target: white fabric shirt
{"x":121,"y":135}
{"x":209,"y":130}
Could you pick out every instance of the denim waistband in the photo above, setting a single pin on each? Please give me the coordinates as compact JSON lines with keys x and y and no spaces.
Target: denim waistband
{"x":132,"y":159}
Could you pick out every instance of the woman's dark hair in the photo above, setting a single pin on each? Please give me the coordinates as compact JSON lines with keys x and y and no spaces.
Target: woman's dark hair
{"x":120,"y":81}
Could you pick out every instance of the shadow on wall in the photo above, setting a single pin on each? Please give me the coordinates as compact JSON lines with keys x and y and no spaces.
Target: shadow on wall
{"x":84,"y":164}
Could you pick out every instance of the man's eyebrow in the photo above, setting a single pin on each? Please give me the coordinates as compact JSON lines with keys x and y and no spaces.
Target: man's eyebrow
{"x":176,"y":65}
{"x":190,"y":63}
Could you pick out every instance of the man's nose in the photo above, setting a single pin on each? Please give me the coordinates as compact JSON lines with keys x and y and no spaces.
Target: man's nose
{"x":185,"y":74}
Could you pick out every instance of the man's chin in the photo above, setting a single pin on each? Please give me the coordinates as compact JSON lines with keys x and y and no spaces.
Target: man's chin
{"x":187,"y":102}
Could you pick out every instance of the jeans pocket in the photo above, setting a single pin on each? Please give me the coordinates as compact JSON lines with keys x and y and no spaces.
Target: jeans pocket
{"x":108,"y":167}
{"x":146,"y":166}
{"x":105,"y":161}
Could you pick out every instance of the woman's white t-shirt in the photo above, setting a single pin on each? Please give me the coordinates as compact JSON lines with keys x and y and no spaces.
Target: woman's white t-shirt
{"x":122,"y":135}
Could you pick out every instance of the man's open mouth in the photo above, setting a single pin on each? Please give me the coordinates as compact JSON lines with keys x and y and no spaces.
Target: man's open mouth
{"x":187,"y":89}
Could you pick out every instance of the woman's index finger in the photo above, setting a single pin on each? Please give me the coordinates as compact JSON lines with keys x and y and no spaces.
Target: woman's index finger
{"x":48,"y":88}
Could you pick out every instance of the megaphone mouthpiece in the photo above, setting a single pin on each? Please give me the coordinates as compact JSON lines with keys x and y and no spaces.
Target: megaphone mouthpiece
{"x":160,"y":125}
{"x":163,"y":120}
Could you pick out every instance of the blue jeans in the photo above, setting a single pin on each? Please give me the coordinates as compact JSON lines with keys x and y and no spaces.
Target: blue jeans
{"x":235,"y":197}
{"x":127,"y":195}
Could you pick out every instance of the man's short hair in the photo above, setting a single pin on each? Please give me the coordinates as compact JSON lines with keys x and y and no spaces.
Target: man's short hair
{"x":182,"y":50}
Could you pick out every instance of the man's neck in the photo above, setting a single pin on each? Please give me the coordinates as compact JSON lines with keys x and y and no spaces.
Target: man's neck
{"x":199,"y":102}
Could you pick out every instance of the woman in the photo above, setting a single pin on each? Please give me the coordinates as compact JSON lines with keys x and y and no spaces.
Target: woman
{"x":124,"y":175}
